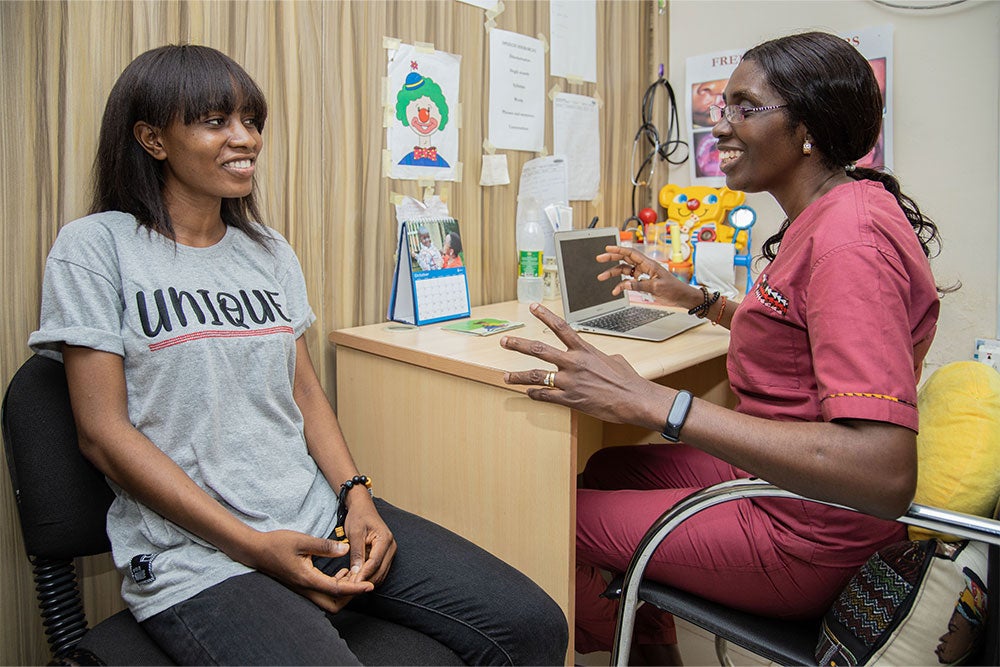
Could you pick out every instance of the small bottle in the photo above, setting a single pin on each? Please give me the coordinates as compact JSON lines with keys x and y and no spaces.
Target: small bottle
{"x":530,"y":248}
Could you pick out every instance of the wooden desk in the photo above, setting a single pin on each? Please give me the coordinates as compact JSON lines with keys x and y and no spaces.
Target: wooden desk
{"x":426,"y":413}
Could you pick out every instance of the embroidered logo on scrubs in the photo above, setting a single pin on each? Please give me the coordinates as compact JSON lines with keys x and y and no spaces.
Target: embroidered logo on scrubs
{"x":770,"y":297}
{"x":142,"y":568}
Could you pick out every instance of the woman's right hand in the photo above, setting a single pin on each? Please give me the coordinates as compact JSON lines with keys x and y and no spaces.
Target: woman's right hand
{"x":642,"y":274}
{"x":287,"y":556}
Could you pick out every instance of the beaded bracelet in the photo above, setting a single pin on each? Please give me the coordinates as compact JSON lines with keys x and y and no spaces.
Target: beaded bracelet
{"x":702,"y":309}
{"x":357,"y":480}
{"x":722,"y":311}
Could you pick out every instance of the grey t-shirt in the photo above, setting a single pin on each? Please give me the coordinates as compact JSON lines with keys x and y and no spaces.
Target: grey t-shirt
{"x":208,"y":341}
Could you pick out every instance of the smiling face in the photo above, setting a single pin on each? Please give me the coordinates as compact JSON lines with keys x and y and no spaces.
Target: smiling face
{"x":210,"y":159}
{"x":762,"y":152}
{"x":423,"y":116}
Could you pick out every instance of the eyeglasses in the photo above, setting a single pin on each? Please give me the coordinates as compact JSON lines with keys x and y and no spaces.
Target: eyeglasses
{"x":735,"y":113}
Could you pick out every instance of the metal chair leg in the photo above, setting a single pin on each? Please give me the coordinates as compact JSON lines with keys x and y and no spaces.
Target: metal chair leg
{"x":722,"y":652}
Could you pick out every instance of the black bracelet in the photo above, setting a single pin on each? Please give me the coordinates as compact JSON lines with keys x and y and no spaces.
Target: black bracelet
{"x":357,"y":480}
{"x":701,"y":310}
{"x":352,"y":482}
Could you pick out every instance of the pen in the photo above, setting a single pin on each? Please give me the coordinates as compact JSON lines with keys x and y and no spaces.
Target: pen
{"x":593,"y":223}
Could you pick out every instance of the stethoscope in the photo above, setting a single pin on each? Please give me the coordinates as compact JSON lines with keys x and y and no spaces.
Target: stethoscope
{"x":665,"y":150}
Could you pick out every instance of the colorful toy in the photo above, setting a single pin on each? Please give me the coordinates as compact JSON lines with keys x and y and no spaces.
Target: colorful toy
{"x":700,"y":211}
{"x":648,"y":216}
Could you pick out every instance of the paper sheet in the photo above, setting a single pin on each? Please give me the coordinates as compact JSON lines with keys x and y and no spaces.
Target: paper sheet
{"x":713,"y":267}
{"x":422,"y":136}
{"x":545,"y":180}
{"x":483,"y":4}
{"x":575,"y":134}
{"x":517,"y":91}
{"x":573,"y":38}
{"x":433,"y":208}
{"x":495,"y":171}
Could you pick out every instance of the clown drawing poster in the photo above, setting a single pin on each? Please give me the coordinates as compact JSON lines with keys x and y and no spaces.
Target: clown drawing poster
{"x":422,"y":115}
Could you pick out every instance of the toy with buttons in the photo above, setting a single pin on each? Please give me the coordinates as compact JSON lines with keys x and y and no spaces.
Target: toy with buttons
{"x":696,"y":212}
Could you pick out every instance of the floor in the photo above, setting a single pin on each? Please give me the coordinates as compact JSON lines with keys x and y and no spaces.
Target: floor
{"x":697,"y":649}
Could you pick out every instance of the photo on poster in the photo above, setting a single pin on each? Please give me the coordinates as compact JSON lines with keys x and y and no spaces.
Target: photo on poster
{"x":707,"y":76}
{"x":422,"y":137}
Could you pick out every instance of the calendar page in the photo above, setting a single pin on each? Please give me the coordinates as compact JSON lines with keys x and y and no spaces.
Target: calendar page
{"x":429,"y":282}
{"x":441,"y":295}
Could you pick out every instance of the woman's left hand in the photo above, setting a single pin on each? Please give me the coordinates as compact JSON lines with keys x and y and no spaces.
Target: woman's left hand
{"x":372,"y":545}
{"x":586,"y":379}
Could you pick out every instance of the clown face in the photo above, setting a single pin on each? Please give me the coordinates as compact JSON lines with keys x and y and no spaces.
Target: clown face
{"x":423,"y":116}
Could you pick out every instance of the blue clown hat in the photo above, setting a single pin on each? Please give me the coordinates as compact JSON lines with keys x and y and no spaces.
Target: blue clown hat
{"x":413,"y":81}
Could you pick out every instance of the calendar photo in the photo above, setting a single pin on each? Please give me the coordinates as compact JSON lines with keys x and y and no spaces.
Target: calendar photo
{"x":434,"y":244}
{"x":430,"y":283}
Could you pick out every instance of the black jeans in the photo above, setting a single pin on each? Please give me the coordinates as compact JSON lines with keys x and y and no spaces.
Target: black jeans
{"x":439,"y":584}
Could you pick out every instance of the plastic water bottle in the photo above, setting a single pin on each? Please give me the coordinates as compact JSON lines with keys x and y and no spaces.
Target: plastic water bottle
{"x":530,"y":248}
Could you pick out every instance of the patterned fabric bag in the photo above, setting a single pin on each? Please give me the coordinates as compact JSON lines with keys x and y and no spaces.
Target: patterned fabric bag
{"x":913,"y":603}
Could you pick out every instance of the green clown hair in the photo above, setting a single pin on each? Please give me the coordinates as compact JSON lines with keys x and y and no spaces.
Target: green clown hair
{"x":415,"y":87}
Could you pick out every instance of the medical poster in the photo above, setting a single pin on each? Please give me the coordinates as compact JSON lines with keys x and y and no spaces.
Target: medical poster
{"x":422,"y":118}
{"x":708,"y":74}
{"x":875,"y":44}
{"x":517,"y":91}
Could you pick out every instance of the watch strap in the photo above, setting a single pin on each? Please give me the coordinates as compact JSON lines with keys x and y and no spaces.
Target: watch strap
{"x":678,"y":414}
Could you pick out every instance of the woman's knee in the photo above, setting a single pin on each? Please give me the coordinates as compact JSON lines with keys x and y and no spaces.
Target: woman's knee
{"x":541,"y":631}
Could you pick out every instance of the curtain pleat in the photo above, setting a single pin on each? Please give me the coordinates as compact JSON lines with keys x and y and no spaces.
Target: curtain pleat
{"x":322,"y":65}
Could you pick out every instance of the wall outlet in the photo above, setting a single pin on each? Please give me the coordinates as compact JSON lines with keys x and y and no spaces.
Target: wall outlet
{"x":988,"y":352}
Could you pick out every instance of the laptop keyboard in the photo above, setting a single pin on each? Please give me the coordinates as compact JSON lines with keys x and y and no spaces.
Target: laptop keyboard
{"x":627,"y":318}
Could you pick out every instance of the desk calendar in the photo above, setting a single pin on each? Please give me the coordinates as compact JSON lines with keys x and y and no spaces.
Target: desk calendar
{"x":429,"y":282}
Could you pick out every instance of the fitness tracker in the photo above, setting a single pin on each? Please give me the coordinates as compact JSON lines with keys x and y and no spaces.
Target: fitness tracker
{"x":678,"y":413}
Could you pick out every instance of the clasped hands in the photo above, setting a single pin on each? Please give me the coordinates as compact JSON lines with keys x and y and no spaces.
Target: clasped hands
{"x":287,"y":556}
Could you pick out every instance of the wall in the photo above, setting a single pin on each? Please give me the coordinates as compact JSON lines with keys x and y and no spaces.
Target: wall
{"x":321,"y":64}
{"x":947,"y":74}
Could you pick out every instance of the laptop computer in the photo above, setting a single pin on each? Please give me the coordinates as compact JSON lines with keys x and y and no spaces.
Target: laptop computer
{"x":588,"y":304}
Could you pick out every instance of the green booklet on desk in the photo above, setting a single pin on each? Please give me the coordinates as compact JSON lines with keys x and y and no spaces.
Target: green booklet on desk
{"x":484,"y":326}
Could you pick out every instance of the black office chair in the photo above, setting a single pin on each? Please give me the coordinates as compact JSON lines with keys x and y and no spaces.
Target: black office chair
{"x":62,"y":501}
{"x":780,"y":641}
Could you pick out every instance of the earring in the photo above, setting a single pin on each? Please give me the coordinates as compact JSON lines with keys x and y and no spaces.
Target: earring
{"x":807,"y":148}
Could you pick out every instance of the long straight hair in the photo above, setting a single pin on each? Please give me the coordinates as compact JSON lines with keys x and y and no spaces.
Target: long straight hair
{"x":182,"y":82}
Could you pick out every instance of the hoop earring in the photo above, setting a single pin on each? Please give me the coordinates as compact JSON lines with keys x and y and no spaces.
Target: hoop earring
{"x":807,"y":148}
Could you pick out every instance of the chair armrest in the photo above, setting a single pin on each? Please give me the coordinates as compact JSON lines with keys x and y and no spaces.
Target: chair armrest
{"x":932,"y":518}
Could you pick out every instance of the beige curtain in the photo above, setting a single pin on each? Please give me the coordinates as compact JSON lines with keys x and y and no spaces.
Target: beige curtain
{"x":321,"y":65}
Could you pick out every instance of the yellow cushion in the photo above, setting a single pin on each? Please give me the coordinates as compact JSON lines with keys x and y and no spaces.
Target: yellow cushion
{"x":958,"y":447}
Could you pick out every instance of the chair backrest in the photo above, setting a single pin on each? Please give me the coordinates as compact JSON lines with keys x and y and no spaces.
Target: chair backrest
{"x":61,"y":498}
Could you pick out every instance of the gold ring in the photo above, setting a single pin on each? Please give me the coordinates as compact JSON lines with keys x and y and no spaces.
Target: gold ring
{"x":550,"y":379}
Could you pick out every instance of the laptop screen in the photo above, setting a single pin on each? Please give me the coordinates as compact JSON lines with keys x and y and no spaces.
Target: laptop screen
{"x":580,"y":268}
